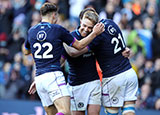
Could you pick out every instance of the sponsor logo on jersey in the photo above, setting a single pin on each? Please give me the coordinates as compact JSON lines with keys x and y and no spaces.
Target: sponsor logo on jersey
{"x":88,"y":54}
{"x":41,"y":35}
{"x":111,"y":30}
{"x":54,"y":93}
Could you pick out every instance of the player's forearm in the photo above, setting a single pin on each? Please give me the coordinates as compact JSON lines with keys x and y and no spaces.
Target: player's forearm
{"x":62,"y":61}
{"x":74,"y":52}
{"x":25,"y":51}
{"x":97,"y":29}
{"x":84,"y":42}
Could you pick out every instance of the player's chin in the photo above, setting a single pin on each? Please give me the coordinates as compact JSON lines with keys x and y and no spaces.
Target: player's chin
{"x":84,"y":34}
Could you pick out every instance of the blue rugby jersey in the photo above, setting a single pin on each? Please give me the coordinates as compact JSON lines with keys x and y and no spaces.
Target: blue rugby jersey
{"x":45,"y":42}
{"x":108,"y":49}
{"x":82,"y":69}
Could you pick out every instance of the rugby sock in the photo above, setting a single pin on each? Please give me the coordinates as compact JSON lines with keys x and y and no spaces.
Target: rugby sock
{"x":60,"y":113}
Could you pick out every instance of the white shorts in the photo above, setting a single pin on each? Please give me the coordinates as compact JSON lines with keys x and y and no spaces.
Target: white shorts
{"x":51,"y":86}
{"x":119,"y":88}
{"x":87,"y":93}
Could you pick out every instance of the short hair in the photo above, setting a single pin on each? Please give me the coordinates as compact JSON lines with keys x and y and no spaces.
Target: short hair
{"x":90,"y":14}
{"x":48,"y":8}
{"x":85,"y":10}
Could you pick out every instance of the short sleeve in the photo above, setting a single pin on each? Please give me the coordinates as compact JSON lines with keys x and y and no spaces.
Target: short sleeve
{"x":26,"y":43}
{"x":67,"y":37}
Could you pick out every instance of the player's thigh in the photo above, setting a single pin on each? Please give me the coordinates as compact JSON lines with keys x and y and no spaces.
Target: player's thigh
{"x":93,"y":109}
{"x":63,"y":104}
{"x":78,"y":113}
{"x":51,"y":86}
{"x":131,"y":86}
{"x":113,"y":91}
{"x":50,"y":110}
{"x":84,"y":94}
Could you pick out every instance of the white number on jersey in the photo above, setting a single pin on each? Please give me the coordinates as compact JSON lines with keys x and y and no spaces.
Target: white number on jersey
{"x":46,"y":54}
{"x":116,"y":40}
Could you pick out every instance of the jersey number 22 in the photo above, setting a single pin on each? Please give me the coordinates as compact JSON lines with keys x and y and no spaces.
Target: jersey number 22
{"x":46,"y":54}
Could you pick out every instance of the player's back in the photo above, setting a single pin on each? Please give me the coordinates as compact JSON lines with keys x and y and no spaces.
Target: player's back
{"x":45,"y":41}
{"x":108,"y":49}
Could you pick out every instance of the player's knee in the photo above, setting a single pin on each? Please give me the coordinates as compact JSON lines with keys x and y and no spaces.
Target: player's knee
{"x":63,"y":113}
{"x":128,"y":109}
{"x":93,"y":109}
{"x":94,"y":112}
{"x":110,"y":111}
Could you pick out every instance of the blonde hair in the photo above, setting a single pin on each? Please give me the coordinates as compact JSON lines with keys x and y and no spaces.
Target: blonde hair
{"x":91,"y":15}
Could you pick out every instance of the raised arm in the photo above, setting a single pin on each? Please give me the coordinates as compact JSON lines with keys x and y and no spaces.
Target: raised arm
{"x":97,"y":29}
{"x":74,"y":52}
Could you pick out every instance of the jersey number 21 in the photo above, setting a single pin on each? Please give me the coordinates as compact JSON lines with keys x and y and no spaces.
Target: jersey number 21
{"x":115,"y":40}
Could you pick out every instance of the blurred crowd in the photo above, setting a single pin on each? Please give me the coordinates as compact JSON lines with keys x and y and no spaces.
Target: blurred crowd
{"x":139,"y":21}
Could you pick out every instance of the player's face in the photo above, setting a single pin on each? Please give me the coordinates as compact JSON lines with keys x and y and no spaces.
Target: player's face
{"x":86,"y":27}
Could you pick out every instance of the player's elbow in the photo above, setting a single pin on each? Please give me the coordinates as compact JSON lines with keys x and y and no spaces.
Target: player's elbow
{"x":78,"y":45}
{"x":26,"y":52}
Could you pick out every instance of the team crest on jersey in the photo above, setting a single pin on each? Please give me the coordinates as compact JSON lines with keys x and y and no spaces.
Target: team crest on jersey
{"x":41,"y":35}
{"x":111,"y":30}
{"x":80,"y":104}
{"x":115,"y":100}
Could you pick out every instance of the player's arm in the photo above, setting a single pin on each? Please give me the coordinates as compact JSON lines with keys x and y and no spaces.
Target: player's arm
{"x":62,"y":61}
{"x":32,"y":88}
{"x":126,"y":53}
{"x":25,"y":50}
{"x":71,"y":51}
{"x":97,"y":29}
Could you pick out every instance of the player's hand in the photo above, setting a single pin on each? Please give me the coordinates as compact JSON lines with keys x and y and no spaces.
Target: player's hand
{"x":126,"y":53}
{"x":32,"y":88}
{"x":98,"y":28}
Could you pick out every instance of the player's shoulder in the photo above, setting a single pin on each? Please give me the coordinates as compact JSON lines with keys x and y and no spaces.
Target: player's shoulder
{"x":107,"y":21}
{"x":110,"y":26}
{"x":58,"y":26}
{"x":32,"y":27}
{"x":75,"y":33}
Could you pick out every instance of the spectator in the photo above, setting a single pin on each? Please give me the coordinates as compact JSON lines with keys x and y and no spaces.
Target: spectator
{"x":4,"y":78}
{"x":155,"y":78}
{"x":12,"y":46}
{"x":156,"y":41}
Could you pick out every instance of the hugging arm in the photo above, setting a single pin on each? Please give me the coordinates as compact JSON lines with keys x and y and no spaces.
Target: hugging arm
{"x":74,"y":52}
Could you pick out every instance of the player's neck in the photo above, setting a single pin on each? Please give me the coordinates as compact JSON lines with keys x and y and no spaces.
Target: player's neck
{"x":46,"y":19}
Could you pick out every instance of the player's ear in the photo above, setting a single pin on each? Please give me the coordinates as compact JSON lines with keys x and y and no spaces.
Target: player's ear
{"x":80,"y":21}
{"x":53,"y":15}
